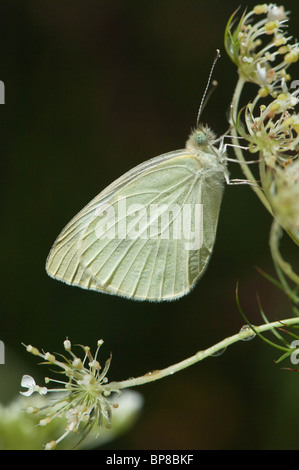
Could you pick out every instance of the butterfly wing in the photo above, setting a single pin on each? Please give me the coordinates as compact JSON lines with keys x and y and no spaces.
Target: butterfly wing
{"x":134,"y":239}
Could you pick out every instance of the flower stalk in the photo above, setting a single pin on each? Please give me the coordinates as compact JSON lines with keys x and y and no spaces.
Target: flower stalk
{"x":263,"y":52}
{"x":84,"y":398}
{"x":244,"y":334}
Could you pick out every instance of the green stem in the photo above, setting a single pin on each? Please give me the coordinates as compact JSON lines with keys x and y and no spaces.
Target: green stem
{"x":199,"y":356}
{"x":238,"y":152}
{"x":275,"y":235}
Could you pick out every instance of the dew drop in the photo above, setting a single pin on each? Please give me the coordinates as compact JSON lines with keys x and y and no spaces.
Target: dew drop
{"x":219,"y":353}
{"x":246,"y":328}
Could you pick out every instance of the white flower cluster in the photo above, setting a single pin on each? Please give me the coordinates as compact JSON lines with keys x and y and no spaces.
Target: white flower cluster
{"x":83,"y":397}
{"x":262,"y":50}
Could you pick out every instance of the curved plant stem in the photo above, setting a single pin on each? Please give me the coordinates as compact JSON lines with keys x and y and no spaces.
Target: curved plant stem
{"x":275,"y":235}
{"x":238,"y":151}
{"x":200,"y":355}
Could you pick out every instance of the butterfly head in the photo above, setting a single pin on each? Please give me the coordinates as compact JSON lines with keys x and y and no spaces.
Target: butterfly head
{"x":200,"y":138}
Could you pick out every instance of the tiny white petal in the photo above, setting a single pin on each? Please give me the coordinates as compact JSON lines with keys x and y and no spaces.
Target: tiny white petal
{"x":28,"y":393}
{"x":28,"y":381}
{"x":262,"y":72}
{"x":67,"y":345}
{"x":85,"y":381}
{"x":276,"y":13}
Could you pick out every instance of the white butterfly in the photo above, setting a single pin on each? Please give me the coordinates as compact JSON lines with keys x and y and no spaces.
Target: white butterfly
{"x":150,"y":234}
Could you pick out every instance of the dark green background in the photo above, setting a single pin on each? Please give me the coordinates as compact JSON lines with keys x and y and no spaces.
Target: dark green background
{"x":94,"y":88}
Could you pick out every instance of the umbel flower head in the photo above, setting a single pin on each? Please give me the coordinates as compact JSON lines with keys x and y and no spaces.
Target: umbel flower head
{"x":274,"y":133}
{"x":272,"y":126}
{"x":263,"y":52}
{"x":84,"y":395}
{"x":261,"y":49}
{"x":283,"y":195}
{"x":273,"y":129}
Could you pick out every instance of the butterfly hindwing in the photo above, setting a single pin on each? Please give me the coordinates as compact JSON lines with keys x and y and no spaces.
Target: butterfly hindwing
{"x":135,"y":238}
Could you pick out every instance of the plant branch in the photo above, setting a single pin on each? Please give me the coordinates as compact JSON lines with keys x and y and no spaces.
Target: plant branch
{"x":200,"y":355}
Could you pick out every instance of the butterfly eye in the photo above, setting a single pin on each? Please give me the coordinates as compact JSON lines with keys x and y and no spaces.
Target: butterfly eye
{"x":200,"y":138}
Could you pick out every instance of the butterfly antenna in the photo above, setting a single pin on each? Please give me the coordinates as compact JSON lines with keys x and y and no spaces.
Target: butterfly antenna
{"x":204,"y":100}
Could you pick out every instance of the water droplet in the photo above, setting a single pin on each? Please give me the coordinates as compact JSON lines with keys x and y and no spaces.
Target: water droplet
{"x":247,"y":328}
{"x":219,"y":353}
